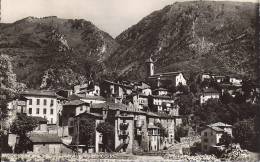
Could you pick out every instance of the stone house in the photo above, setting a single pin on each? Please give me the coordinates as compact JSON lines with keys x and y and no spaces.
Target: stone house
{"x":47,"y":144}
{"x":210,"y":136}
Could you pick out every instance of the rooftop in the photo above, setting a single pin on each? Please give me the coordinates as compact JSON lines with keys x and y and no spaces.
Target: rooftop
{"x":91,"y":114}
{"x":175,"y":73}
{"x":75,"y":103}
{"x":220,"y":124}
{"x":217,"y":129}
{"x":86,"y":97}
{"x":33,"y":92}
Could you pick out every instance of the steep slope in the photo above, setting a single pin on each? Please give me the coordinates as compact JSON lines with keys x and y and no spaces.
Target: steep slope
{"x":51,"y":52}
{"x":192,"y":37}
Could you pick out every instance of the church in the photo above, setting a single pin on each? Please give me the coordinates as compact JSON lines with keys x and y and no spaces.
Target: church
{"x":175,"y":78}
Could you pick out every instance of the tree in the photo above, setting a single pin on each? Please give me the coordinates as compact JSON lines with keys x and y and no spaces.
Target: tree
{"x":108,"y":131}
{"x":87,"y":132}
{"x":21,"y":126}
{"x":8,"y":91}
{"x":245,"y":134}
{"x":225,"y":140}
{"x":247,"y":86}
{"x":226,"y":98}
{"x":186,"y":104}
{"x":181,"y":131}
{"x":182,"y":88}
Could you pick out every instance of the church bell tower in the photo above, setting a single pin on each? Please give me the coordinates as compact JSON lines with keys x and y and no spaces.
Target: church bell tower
{"x":150,"y":67}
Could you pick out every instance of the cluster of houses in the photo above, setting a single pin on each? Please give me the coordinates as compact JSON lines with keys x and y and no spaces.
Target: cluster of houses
{"x":133,"y":108}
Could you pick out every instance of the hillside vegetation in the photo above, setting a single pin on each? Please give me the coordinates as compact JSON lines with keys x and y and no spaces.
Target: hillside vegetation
{"x":51,"y":52}
{"x":191,"y":37}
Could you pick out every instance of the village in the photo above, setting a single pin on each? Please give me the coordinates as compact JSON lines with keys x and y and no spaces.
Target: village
{"x":135,"y":118}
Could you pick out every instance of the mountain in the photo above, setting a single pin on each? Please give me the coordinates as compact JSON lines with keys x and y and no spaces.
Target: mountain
{"x":192,"y":37}
{"x":51,"y":52}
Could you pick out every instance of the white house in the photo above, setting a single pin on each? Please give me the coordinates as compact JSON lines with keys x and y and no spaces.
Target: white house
{"x":235,"y":81}
{"x":209,"y":93}
{"x":41,"y":103}
{"x":211,"y":135}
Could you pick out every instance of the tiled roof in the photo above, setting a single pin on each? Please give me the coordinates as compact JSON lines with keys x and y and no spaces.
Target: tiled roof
{"x":88,"y":113}
{"x":217,"y":129}
{"x":75,"y":103}
{"x":44,"y":138}
{"x":220,"y":124}
{"x":88,"y":97}
{"x":39,"y":93}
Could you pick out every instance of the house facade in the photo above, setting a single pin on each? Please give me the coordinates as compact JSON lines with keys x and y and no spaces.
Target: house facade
{"x":43,"y":104}
{"x":209,"y":93}
{"x":211,"y":135}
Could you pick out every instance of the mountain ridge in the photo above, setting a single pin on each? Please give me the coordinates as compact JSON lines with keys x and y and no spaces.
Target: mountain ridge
{"x":46,"y":51}
{"x":192,"y":36}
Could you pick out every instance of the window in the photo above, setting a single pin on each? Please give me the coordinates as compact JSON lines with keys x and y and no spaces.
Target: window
{"x":51,"y":120}
{"x":51,"y":111}
{"x":205,"y":140}
{"x":52,"y":102}
{"x":30,"y":101}
{"x":205,"y":134}
{"x":38,"y":101}
{"x":44,"y":111}
{"x":30,"y":110}
{"x":44,"y":102}
{"x":38,"y":111}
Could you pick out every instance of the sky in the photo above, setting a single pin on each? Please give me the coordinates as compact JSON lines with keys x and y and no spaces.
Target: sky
{"x":112,"y":16}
